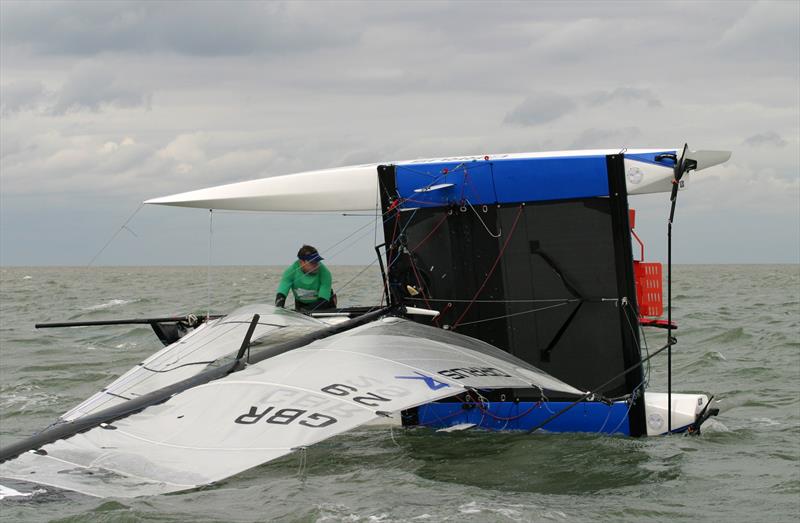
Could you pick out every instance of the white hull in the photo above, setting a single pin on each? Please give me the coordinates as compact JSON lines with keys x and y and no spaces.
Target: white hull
{"x":355,"y":188}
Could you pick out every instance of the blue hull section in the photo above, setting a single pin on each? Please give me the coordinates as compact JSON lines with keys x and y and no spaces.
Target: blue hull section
{"x":592,"y":417}
{"x":502,"y":181}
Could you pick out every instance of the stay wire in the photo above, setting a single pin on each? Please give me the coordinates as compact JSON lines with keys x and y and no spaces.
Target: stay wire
{"x":208,"y":267}
{"x":646,"y":376}
{"x":364,"y":233}
{"x":123,"y":226}
{"x":643,"y":343}
{"x":596,"y":390}
{"x":513,"y":314}
{"x":364,"y":230}
{"x":466,"y":300}
{"x":491,"y":271}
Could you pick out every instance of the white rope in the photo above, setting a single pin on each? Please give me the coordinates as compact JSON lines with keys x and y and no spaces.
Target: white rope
{"x":499,"y":233}
{"x":208,"y":268}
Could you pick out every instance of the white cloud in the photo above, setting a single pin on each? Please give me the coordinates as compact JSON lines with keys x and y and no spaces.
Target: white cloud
{"x":740,"y":188}
{"x":186,"y":148}
{"x":208,"y":28}
{"x":767,"y":31}
{"x":607,"y":138}
{"x":540,"y":108}
{"x":92,"y":87}
{"x":21,"y":95}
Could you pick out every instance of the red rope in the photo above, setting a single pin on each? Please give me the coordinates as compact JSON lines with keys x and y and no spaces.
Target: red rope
{"x":491,"y":271}
{"x":508,"y":418}
{"x":419,"y":282}
{"x":390,"y":251}
{"x":427,"y":237}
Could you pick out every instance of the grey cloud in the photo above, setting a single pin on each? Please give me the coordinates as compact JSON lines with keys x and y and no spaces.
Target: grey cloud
{"x":21,"y":95}
{"x":766,"y":31}
{"x":253,"y":89}
{"x":196,"y":28}
{"x":604,"y":138}
{"x":92,"y":87}
{"x":769,"y":138}
{"x":540,"y":108}
{"x":624,"y":94}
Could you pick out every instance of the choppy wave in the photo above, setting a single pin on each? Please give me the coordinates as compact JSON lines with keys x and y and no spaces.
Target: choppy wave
{"x":108,"y":305}
{"x":737,"y":340}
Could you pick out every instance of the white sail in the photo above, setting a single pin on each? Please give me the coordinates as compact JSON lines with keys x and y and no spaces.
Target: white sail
{"x":193,"y":353}
{"x":355,"y":188}
{"x":273,"y":407}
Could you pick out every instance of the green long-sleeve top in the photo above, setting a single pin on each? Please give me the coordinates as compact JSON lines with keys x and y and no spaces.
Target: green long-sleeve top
{"x":307,"y":288}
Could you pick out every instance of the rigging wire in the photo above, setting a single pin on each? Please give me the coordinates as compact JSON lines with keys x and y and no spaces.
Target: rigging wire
{"x":123,"y":226}
{"x":491,"y":271}
{"x":208,"y":267}
{"x":465,"y":300}
{"x":363,"y":234}
{"x":377,"y":212}
{"x":595,"y":391}
{"x":427,"y":237}
{"x":639,"y":346}
{"x":388,"y":215}
{"x":512,"y":314}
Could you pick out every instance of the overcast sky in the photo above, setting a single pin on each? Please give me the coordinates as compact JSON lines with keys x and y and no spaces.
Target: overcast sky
{"x":105,"y":104}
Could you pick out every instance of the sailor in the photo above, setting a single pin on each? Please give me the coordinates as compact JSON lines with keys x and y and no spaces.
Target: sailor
{"x":310,"y":282}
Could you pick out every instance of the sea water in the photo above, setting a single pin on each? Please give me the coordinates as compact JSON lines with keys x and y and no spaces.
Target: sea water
{"x":738,"y":338}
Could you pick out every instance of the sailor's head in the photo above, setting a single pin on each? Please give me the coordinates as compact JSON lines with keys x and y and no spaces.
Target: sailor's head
{"x":309,"y":259}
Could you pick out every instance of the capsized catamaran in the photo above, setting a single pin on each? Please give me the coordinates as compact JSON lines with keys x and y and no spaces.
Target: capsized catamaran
{"x":513,"y":296}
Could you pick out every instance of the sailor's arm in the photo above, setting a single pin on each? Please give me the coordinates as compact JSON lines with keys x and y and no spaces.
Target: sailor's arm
{"x":287,"y":280}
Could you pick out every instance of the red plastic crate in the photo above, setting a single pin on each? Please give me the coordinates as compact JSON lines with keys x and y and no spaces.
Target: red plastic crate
{"x":649,"y":292}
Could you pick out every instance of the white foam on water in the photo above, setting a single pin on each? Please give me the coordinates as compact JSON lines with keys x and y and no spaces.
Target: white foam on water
{"x":554,"y":514}
{"x":458,"y":427}
{"x":107,"y":305}
{"x":505,"y":511}
{"x":713,"y":425}
{"x":767,"y":422}
{"x":469,"y":508}
{"x":8,"y":492}
{"x":26,"y":277}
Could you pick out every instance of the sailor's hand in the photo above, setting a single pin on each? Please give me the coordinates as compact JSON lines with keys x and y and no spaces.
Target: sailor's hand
{"x":280,"y":300}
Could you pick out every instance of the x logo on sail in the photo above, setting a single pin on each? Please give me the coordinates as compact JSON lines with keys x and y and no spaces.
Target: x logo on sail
{"x":432,"y":383}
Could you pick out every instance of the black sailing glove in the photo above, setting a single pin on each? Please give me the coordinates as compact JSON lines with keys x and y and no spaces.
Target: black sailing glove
{"x":280,"y":300}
